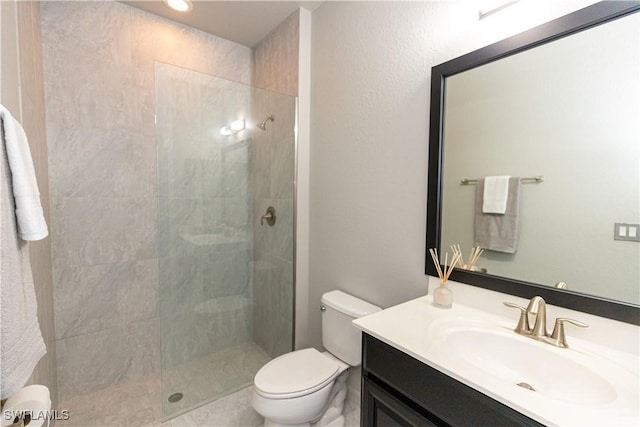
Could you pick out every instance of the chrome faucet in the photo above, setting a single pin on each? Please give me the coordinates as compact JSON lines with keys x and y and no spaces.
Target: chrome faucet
{"x":538,"y":307}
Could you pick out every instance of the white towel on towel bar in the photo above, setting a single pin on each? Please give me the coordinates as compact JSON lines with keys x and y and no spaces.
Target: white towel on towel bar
{"x":29,"y":214}
{"x":496,"y":192}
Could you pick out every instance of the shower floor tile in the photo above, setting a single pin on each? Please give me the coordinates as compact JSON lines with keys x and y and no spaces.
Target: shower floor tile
{"x":211,"y":377}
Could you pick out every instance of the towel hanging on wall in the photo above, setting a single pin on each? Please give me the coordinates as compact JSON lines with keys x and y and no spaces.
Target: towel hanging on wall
{"x":31,"y":223}
{"x":21,"y":343}
{"x":494,"y":231}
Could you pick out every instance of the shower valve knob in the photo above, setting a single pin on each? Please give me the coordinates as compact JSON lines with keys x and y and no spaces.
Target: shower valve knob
{"x":270,"y":216}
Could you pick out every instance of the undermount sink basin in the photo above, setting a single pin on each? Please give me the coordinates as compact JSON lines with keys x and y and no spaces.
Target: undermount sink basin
{"x":538,"y":367}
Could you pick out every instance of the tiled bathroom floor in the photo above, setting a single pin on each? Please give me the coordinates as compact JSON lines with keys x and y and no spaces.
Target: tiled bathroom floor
{"x":235,"y":411}
{"x":137,"y":403}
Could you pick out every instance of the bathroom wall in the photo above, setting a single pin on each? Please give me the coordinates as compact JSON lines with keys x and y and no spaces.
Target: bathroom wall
{"x":22,"y":92}
{"x":275,"y":73}
{"x":99,"y":85}
{"x":370,"y":120}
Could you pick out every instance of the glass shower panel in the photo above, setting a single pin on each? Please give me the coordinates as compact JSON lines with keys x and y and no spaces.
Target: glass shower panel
{"x":226,"y":282}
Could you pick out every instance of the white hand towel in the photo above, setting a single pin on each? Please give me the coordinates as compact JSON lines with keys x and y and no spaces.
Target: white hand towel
{"x":21,"y":343}
{"x":31,"y":223}
{"x":496,"y":192}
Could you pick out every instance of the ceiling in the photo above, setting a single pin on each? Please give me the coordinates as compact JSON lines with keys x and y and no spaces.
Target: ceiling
{"x":244,"y":22}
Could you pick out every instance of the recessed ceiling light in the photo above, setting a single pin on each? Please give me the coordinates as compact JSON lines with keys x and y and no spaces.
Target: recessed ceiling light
{"x":179,"y":5}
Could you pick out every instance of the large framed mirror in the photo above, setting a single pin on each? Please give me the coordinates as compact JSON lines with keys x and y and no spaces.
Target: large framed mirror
{"x":557,"y":108}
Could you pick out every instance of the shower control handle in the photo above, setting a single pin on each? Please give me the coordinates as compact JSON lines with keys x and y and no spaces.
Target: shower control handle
{"x":270,"y":216}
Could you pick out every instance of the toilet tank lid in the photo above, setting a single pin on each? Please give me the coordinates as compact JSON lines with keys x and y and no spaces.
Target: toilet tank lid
{"x":348,"y":304}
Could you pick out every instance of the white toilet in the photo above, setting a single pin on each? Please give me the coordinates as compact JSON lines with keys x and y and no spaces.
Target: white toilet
{"x":306,"y":387}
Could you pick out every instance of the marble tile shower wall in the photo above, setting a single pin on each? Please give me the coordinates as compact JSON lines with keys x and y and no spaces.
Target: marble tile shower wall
{"x":275,"y":63}
{"x":99,"y":86}
{"x":275,"y":59}
{"x":205,"y":204}
{"x":273,"y":185}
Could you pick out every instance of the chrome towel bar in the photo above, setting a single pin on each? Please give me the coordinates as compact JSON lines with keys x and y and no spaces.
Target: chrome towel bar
{"x":531,"y":179}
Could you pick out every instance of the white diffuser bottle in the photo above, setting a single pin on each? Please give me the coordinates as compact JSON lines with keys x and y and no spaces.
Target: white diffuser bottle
{"x":442,"y":296}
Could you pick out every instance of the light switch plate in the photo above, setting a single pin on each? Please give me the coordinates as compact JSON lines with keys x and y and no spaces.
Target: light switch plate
{"x":627,"y":232}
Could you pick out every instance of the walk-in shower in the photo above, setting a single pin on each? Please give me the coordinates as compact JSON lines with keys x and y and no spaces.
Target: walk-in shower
{"x":168,"y":292}
{"x":226,"y":285}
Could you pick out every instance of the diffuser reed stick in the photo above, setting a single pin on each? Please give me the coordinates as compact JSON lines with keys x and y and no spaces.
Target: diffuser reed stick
{"x":456,"y":250}
{"x":445,"y":272}
{"x":436,"y":262}
{"x":474,"y":255}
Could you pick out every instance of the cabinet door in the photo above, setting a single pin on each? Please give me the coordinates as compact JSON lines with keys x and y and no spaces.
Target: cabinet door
{"x":381,"y":409}
{"x":445,"y":400}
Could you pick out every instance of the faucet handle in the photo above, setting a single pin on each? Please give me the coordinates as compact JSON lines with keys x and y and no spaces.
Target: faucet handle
{"x":558,"y":335}
{"x":523,"y":323}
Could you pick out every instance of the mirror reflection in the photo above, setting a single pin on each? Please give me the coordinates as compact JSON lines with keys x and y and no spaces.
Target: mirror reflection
{"x":567,"y":112}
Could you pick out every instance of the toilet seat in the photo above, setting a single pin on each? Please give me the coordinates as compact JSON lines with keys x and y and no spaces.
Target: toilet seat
{"x":296,"y":374}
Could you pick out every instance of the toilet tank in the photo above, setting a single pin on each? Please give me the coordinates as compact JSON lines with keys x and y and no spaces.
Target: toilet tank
{"x":339,"y":336}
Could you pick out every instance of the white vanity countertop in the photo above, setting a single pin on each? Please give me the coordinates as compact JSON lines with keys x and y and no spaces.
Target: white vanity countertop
{"x":412,"y":328}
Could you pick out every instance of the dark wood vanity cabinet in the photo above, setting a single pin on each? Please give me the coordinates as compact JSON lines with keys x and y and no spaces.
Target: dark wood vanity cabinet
{"x":398,"y":390}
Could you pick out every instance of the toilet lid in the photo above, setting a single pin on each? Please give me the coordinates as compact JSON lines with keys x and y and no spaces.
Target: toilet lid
{"x":296,"y":374}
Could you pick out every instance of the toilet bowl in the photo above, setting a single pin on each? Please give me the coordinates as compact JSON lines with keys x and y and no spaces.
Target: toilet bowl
{"x":295,"y":389}
{"x":306,"y":387}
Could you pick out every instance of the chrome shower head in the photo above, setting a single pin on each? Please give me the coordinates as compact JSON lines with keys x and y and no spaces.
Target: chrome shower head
{"x":263,"y":124}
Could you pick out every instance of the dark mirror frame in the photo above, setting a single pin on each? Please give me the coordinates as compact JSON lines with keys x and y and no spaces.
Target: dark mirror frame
{"x":575,"y":22}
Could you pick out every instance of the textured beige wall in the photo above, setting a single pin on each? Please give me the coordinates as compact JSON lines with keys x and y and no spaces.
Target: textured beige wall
{"x":34,"y":122}
{"x":23,"y":94}
{"x":9,"y":70}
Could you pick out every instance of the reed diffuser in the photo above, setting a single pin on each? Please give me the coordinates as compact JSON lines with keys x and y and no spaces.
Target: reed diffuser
{"x":442,"y":296}
{"x":476,"y":251}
